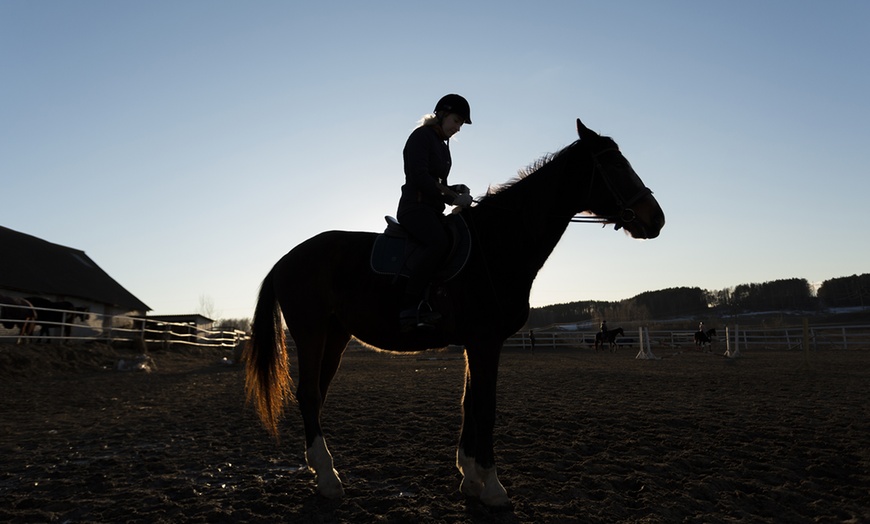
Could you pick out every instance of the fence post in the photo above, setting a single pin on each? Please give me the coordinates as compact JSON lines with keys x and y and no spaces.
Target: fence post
{"x":806,"y":341}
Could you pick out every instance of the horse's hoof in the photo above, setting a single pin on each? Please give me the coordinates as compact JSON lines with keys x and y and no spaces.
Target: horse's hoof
{"x":332,"y":491}
{"x":330,"y":486}
{"x":470,"y":488}
{"x":494,"y":495}
{"x":495,"y":500}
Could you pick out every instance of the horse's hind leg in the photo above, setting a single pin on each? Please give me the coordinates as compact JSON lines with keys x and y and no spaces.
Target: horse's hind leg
{"x":25,"y":335}
{"x":319,"y":356}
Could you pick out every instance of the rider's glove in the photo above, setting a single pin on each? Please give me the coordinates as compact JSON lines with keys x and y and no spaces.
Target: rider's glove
{"x":462,"y":200}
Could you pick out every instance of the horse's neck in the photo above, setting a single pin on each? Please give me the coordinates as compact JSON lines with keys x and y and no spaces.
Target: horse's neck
{"x":535,"y":211}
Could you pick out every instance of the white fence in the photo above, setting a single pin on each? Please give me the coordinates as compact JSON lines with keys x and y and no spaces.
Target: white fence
{"x":818,"y":338}
{"x":164,"y":334}
{"x":111,"y":329}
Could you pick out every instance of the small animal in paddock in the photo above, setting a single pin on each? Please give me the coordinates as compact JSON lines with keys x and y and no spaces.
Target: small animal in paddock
{"x":57,"y":314}
{"x":328,"y":294}
{"x":608,"y":337}
{"x":704,"y":338}
{"x":18,"y":313}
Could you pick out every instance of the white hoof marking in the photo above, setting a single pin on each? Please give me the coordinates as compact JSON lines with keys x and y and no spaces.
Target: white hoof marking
{"x":320,"y":463}
{"x":479,"y":482}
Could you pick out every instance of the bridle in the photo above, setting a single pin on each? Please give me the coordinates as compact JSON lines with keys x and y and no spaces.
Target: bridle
{"x":625,"y":214}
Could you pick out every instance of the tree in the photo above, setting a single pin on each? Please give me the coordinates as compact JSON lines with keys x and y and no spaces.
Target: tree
{"x":206,"y":307}
{"x":853,"y":291}
{"x":673,"y":301}
{"x":241,"y":324}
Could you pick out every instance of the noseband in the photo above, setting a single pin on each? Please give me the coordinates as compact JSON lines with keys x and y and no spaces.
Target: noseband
{"x":625,"y":214}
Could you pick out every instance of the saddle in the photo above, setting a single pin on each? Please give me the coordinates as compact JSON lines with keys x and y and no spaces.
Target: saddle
{"x":393,"y":252}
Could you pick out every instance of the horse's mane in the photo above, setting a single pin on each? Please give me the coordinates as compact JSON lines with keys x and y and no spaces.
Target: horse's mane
{"x":526,"y":171}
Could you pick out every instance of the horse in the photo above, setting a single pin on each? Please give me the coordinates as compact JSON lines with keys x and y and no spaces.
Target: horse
{"x":57,"y":314}
{"x":704,"y":337}
{"x":18,"y":312}
{"x":608,"y":336}
{"x":328,"y":294}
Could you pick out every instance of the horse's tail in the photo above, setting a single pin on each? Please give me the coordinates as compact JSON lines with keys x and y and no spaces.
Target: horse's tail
{"x":267,"y":370}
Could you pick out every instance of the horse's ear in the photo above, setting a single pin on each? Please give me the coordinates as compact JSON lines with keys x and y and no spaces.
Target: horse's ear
{"x":583,"y":131}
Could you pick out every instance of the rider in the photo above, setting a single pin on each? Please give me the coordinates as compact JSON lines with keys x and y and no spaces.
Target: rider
{"x":424,"y":194}
{"x":603,"y":327}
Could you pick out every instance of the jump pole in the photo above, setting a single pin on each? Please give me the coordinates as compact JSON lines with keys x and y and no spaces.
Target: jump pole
{"x":736,"y":352}
{"x":643,"y":338}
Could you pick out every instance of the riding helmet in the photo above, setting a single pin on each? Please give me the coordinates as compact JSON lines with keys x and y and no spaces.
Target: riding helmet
{"x":453,"y":103}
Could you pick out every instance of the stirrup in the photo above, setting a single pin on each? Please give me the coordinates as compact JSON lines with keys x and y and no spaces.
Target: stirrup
{"x":421,"y":317}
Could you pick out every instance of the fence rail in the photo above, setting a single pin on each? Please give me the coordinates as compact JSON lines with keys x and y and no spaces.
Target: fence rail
{"x":118,"y":328}
{"x":165,"y":334}
{"x":818,"y":338}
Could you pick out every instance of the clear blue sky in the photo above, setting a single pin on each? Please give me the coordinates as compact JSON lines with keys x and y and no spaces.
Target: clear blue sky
{"x":186,"y":146}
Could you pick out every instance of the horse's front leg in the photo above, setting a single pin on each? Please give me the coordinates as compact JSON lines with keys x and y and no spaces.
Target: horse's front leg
{"x":475,"y":458}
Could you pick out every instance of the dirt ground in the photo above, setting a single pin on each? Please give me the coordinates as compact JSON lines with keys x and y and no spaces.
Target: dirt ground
{"x":580,"y":437}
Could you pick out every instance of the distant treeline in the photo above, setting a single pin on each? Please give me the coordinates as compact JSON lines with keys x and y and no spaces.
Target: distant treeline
{"x":795,"y":294}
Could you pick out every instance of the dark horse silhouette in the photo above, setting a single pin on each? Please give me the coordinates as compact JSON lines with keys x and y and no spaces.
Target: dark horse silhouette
{"x":18,"y":312}
{"x":703,"y":338}
{"x":328,"y":294}
{"x":608,"y":337}
{"x":53,"y":314}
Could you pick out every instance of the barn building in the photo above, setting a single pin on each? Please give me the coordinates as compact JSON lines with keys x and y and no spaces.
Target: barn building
{"x":30,"y":266}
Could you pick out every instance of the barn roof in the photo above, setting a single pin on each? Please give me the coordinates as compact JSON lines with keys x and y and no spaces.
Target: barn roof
{"x":32,"y":265}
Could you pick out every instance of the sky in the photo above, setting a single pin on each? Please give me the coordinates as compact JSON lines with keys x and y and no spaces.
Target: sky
{"x":186,"y":146}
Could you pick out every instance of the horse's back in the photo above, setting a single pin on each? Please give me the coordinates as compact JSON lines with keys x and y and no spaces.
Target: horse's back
{"x":321,"y":272}
{"x":327,"y":252}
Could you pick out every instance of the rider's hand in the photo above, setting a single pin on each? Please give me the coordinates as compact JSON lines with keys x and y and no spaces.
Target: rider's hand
{"x":462,"y":189}
{"x":463,"y":200}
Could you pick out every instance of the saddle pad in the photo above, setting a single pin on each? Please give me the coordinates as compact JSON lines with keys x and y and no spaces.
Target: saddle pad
{"x":389,"y":253}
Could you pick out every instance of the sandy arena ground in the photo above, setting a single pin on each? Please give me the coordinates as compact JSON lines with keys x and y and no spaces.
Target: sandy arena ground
{"x":580,"y":437}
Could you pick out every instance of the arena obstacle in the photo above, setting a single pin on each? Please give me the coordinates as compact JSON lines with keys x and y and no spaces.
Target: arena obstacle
{"x":643,"y":340}
{"x":728,"y":352}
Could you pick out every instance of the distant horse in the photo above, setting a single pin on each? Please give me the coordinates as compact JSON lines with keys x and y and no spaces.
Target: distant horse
{"x":608,"y":337}
{"x":18,"y":312}
{"x":703,"y":338}
{"x":57,"y":315}
{"x":328,"y":294}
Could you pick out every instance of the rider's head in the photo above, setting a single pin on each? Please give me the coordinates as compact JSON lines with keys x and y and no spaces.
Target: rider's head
{"x":454,"y":104}
{"x":451,"y":112}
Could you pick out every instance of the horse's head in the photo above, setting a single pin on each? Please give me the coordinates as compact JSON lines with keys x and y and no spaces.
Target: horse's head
{"x":84,"y":313}
{"x":616,"y":193}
